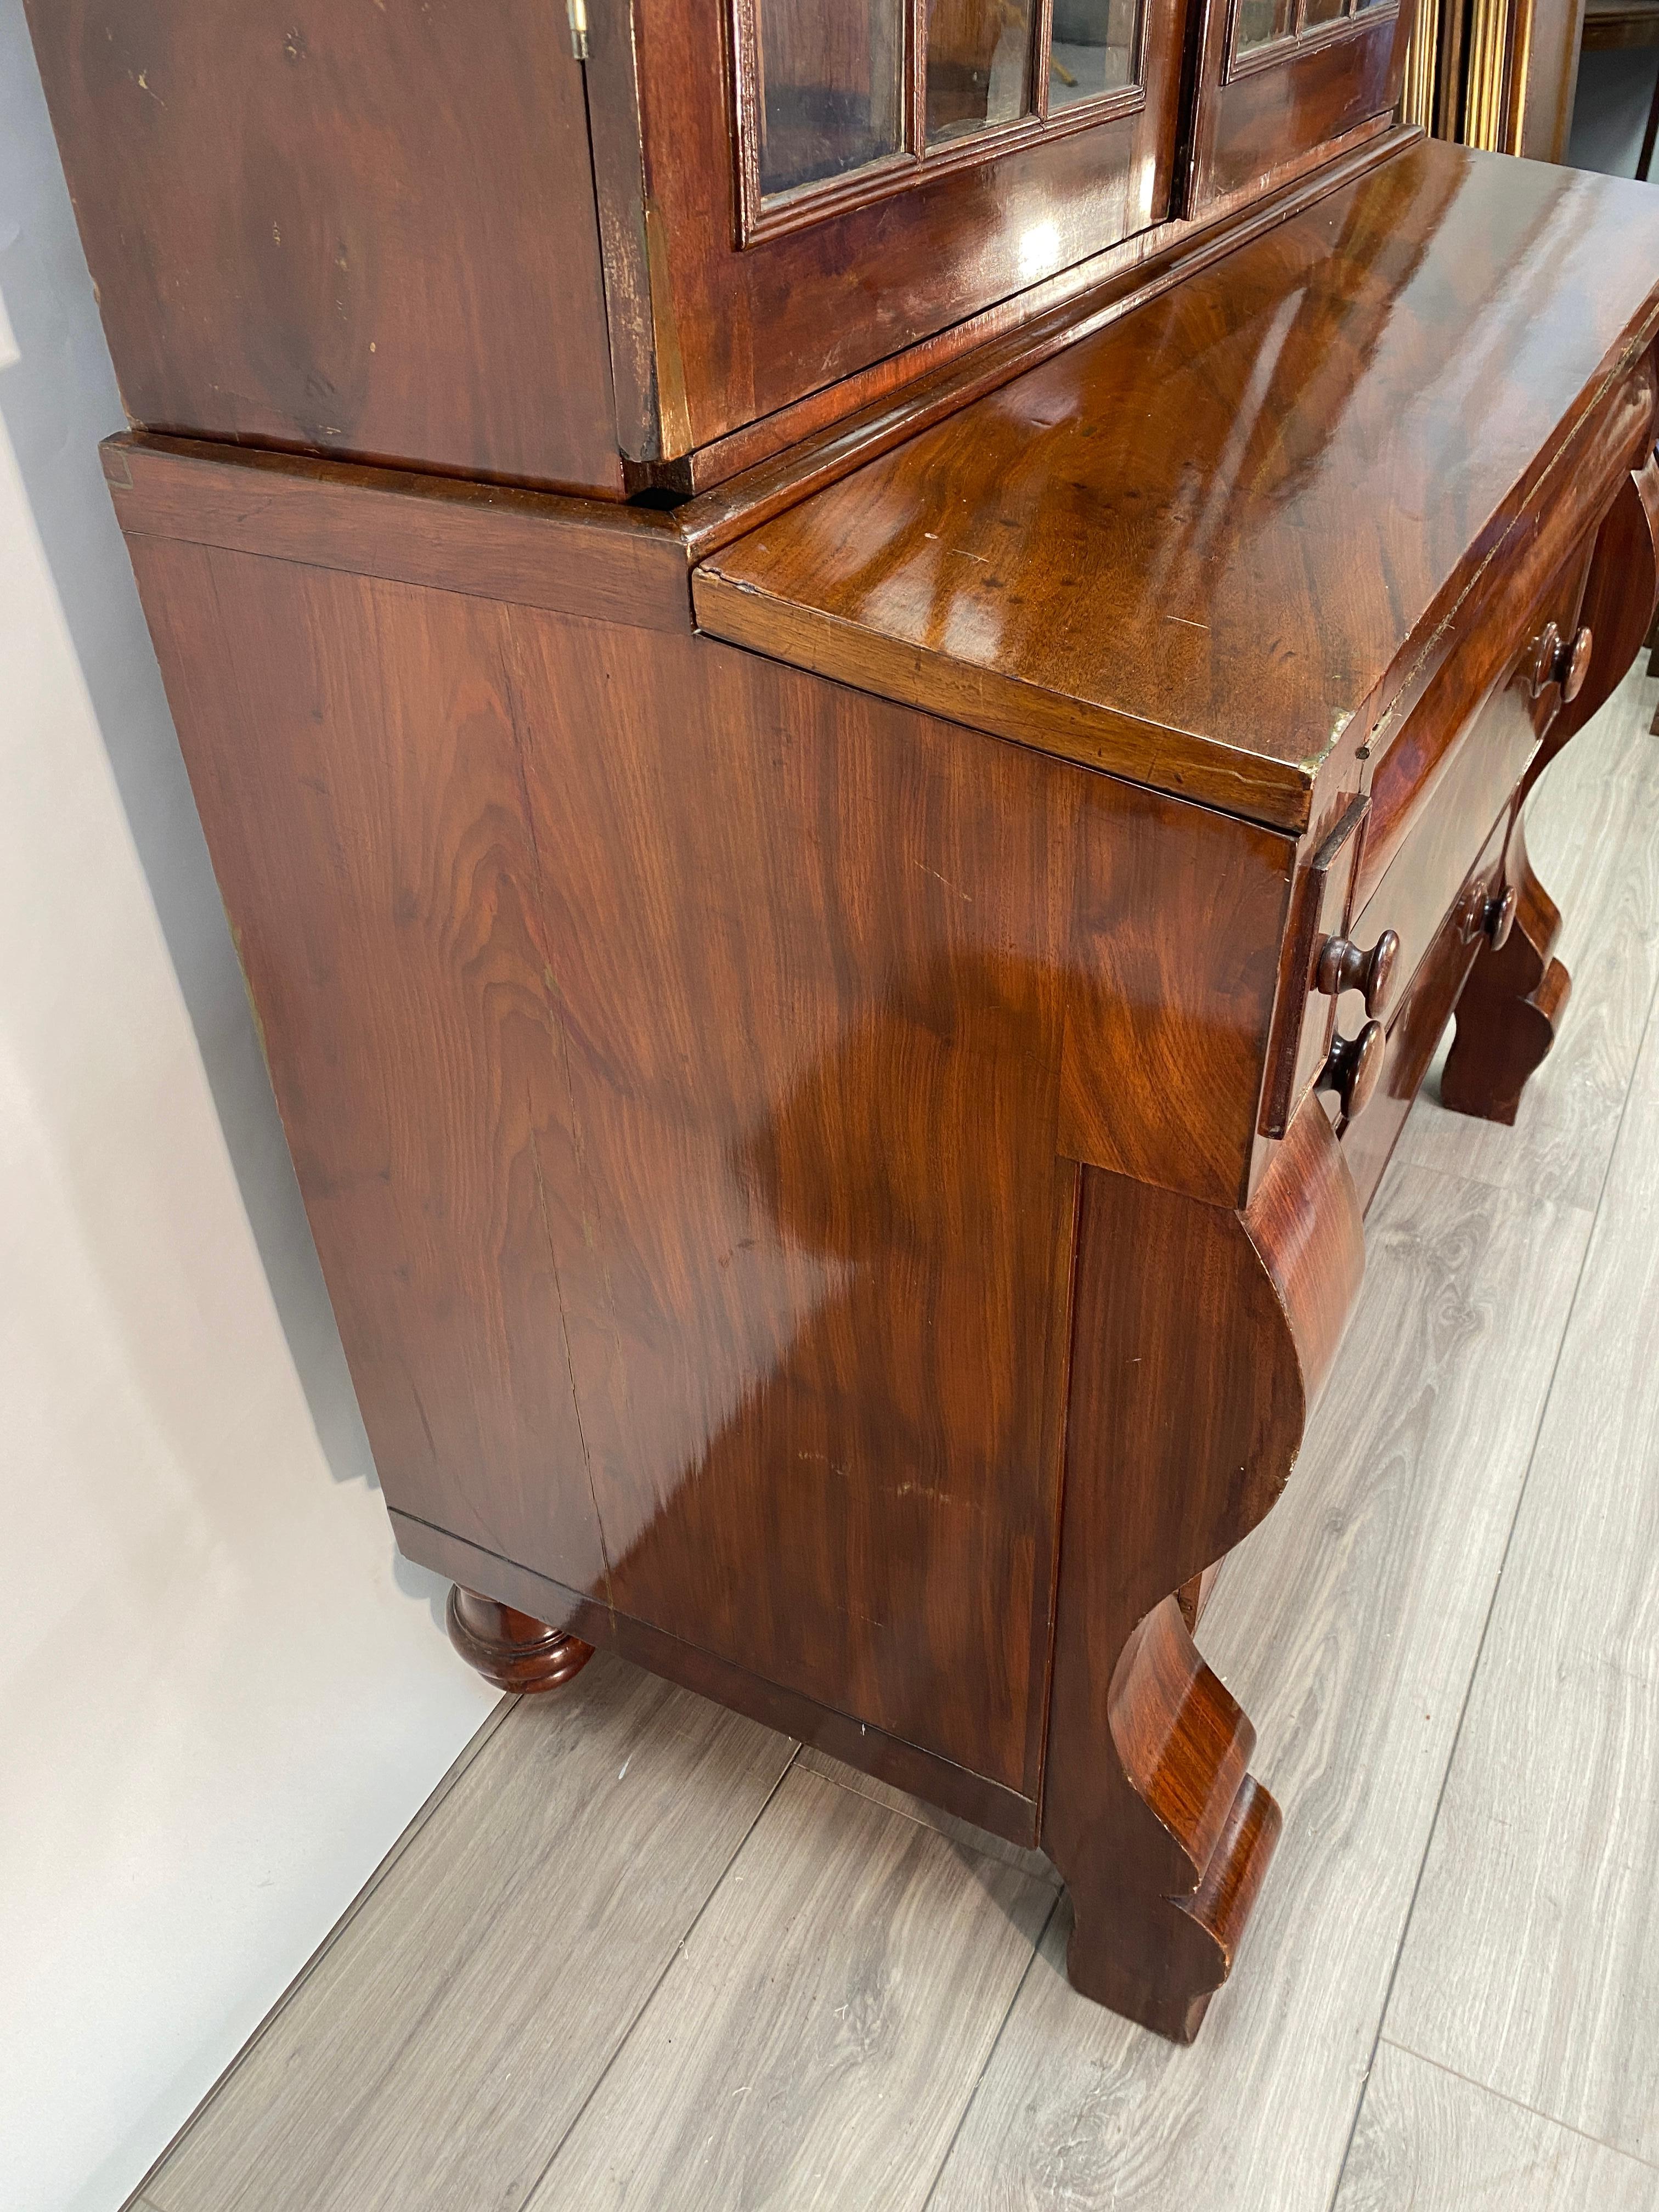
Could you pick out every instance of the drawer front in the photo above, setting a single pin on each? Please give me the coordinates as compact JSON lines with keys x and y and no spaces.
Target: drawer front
{"x":1453,"y":811}
{"x":1473,"y":788}
{"x":1418,"y":1022}
{"x":1414,"y":897}
{"x":1536,"y":576}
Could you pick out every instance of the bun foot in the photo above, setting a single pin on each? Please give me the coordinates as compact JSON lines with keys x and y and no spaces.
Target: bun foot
{"x":512,"y":1649}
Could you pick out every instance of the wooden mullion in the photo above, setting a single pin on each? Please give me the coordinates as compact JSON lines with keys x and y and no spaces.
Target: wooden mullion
{"x":1042,"y":39}
{"x":916,"y":77}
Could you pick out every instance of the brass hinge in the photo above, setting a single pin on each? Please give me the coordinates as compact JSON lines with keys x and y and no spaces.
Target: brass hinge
{"x":576,"y":14}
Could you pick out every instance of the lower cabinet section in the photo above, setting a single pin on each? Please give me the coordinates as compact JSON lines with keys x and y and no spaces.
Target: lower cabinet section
{"x":839,"y":1149}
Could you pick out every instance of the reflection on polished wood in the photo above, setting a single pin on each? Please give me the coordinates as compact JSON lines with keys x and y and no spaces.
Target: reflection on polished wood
{"x":837,"y":1033}
{"x":1132,"y":555}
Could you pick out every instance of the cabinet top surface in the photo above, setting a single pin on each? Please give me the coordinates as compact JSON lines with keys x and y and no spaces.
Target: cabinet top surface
{"x":1217,"y":530}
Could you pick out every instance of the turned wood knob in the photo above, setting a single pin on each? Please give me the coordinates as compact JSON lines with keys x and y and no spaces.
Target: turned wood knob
{"x":1344,"y":966}
{"x":1500,"y":917}
{"x":1353,"y":1067}
{"x":1565,"y":661}
{"x":1495,"y":914}
{"x":1576,"y":666}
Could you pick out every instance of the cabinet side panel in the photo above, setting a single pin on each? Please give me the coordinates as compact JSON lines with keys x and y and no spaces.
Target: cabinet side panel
{"x":1180,"y":916}
{"x":367,"y":231}
{"x":352,"y":751}
{"x":809,"y":952}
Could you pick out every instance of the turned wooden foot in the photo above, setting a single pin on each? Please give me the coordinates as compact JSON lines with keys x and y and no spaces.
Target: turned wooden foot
{"x":512,"y":1649}
{"x":1510,"y":1007}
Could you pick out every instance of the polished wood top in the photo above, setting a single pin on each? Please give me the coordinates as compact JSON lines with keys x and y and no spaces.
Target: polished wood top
{"x":1207,"y":547}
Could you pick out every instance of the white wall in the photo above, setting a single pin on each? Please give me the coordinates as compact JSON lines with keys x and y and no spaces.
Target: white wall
{"x":221,"y":1695}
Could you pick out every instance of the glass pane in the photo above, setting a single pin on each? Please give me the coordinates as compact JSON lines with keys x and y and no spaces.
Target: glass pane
{"x":1259,"y":22}
{"x":1316,"y":12}
{"x":1093,"y":50}
{"x":831,"y":79}
{"x":978,"y":65}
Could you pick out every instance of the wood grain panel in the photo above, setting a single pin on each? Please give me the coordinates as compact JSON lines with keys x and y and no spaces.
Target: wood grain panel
{"x":793,"y":2054}
{"x":1166,"y":1049}
{"x":351,"y":747}
{"x":885,"y":1758}
{"x":608,"y":564}
{"x":1348,"y":1623}
{"x":670,"y":1047}
{"x":809,"y":953}
{"x":365,"y":231}
{"x":1533,"y":1958}
{"x":438,"y":2050}
{"x":1433,"y":2140}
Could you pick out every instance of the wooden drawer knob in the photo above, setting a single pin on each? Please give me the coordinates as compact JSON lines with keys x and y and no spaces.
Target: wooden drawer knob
{"x":1577,"y":665}
{"x":1353,"y":1067}
{"x":1495,"y":915}
{"x":1346,"y":966}
{"x":1565,"y":661}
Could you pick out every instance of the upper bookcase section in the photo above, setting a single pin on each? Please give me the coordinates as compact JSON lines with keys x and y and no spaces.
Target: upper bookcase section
{"x":572,"y":249}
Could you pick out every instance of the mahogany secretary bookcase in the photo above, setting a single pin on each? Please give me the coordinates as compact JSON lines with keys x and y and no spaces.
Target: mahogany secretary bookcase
{"x":861,"y":674}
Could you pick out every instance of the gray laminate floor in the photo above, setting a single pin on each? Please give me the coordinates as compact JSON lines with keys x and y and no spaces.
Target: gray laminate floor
{"x":639,"y":1953}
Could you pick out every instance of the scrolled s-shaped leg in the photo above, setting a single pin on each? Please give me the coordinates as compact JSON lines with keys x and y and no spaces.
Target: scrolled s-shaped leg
{"x":1511,"y":1006}
{"x":1200,"y":1338}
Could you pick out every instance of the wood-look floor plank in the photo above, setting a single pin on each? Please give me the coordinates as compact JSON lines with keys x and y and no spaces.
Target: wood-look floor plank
{"x":440,"y":2047}
{"x":1347,"y":1624}
{"x":1433,"y":2142}
{"x":816,"y":2041}
{"x":1532,"y":1961}
{"x":452,"y":1774}
{"x":917,"y":1808}
{"x":1593,"y":830}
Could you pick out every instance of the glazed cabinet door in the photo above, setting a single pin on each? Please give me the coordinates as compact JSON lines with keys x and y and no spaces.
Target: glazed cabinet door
{"x":791,"y":191}
{"x":1283,"y":83}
